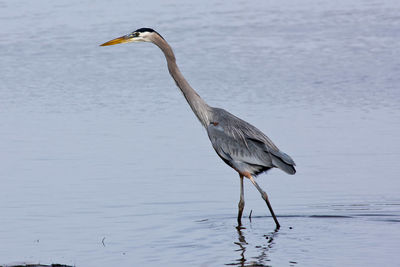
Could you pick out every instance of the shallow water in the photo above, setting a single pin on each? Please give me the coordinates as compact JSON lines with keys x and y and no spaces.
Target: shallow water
{"x":104,"y":164}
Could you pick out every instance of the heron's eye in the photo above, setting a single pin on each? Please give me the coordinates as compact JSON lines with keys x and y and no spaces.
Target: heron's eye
{"x":133,"y":34}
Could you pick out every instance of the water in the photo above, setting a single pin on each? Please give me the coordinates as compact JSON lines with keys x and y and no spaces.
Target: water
{"x":104,"y":164}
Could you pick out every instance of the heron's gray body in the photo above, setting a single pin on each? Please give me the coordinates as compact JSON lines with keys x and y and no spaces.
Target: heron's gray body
{"x":243,"y":147}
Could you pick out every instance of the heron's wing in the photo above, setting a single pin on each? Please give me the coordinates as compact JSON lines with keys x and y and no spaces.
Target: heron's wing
{"x":228,"y":146}
{"x":275,"y":152}
{"x":235,"y":139}
{"x":279,"y":159}
{"x":236,"y":153}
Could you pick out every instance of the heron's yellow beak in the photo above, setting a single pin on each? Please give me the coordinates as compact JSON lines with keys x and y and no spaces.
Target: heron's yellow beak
{"x":119,"y":40}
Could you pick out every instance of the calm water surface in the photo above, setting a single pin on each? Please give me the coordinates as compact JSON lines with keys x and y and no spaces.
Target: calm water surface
{"x":103,"y":164}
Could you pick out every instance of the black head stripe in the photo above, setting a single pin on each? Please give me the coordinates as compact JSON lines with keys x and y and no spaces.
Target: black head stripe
{"x":147,"y":30}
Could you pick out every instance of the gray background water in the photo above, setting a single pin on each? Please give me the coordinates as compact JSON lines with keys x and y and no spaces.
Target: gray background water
{"x":97,"y":143}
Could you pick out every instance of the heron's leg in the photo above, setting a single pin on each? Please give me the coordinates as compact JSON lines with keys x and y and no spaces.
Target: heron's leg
{"x":265,"y":197}
{"x":241,"y":201}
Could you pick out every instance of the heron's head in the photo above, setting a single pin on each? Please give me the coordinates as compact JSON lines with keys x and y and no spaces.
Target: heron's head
{"x":140,"y":35}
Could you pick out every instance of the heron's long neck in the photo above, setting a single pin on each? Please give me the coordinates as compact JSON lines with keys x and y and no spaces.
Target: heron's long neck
{"x":198,"y":105}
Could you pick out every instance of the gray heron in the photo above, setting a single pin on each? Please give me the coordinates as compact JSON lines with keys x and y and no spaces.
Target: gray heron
{"x":239,"y":144}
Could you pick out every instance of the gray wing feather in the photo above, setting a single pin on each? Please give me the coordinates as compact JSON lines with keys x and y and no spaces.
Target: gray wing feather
{"x":243,"y":146}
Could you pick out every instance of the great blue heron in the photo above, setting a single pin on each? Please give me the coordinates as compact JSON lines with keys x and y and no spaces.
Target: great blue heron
{"x":239,"y":144}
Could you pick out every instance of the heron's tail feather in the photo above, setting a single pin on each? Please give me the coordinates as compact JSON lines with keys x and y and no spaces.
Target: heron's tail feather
{"x":283,"y":161}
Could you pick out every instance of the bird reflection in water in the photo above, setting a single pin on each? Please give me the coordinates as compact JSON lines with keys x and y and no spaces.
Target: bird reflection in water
{"x":259,"y":261}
